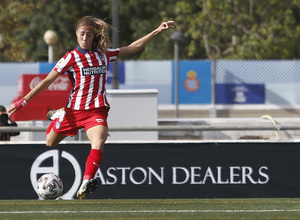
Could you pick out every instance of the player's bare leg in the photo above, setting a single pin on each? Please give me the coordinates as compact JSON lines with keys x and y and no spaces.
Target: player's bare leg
{"x":97,"y":136}
{"x":53,"y":139}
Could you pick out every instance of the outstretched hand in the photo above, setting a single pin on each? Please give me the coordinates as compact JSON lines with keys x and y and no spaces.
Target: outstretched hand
{"x":11,"y":110}
{"x":16,"y":106}
{"x":166,"y":25}
{"x":142,"y":42}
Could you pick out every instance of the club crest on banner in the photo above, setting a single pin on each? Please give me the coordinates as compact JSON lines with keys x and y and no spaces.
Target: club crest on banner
{"x":191,"y":83}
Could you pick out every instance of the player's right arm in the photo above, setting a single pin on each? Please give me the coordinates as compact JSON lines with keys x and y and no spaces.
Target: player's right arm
{"x":139,"y":44}
{"x":51,"y":77}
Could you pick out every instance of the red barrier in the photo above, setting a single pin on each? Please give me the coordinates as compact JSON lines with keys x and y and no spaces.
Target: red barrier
{"x":56,"y":96}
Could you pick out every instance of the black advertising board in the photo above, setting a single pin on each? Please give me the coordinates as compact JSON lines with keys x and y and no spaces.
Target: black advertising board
{"x":158,"y":170}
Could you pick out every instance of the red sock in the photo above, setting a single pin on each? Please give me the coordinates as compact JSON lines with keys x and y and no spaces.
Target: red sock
{"x":92,"y":164}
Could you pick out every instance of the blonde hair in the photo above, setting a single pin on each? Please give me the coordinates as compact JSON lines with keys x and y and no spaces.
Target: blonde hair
{"x":101,"y":30}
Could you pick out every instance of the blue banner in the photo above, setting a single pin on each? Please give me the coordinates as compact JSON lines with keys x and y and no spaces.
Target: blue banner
{"x":240,"y":93}
{"x":194,"y":82}
{"x":121,"y":73}
{"x":45,"y":67}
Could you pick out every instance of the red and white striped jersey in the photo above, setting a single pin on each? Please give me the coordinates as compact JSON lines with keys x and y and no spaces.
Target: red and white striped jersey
{"x":87,"y":71}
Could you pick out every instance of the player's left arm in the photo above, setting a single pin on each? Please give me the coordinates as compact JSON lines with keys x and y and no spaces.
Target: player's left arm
{"x":139,"y":44}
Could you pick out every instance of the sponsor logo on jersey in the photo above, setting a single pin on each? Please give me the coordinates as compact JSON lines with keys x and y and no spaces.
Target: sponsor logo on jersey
{"x":94,"y":70}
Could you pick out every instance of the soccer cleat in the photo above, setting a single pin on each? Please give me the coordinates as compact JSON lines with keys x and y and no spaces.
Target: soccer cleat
{"x":50,"y":114}
{"x":53,"y":114}
{"x":87,"y":186}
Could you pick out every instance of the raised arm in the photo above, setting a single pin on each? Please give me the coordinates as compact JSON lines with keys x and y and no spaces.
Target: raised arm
{"x":51,"y":77}
{"x":139,"y":44}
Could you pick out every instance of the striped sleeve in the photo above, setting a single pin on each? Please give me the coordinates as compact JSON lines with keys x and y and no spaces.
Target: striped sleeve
{"x":112,"y":54}
{"x":64,"y":63}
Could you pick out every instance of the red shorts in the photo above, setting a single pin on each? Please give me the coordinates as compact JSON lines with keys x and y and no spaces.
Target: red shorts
{"x":77,"y":119}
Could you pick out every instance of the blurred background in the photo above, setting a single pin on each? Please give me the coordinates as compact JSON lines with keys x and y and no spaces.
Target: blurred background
{"x":219,"y":29}
{"x":224,"y":59}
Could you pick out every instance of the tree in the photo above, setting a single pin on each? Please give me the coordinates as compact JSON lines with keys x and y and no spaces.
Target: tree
{"x":12,"y":18}
{"x":236,"y":29}
{"x":26,"y":22}
{"x":215,"y":29}
{"x":138,"y":18}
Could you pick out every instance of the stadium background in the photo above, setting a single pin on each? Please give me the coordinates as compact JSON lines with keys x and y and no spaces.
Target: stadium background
{"x":251,"y":168}
{"x":268,"y":82}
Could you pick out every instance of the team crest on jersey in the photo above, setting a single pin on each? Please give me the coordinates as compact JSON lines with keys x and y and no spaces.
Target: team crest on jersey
{"x":57,"y":125}
{"x":93,"y":70}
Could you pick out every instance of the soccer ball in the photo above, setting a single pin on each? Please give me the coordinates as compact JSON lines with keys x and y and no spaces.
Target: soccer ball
{"x":49,"y":186}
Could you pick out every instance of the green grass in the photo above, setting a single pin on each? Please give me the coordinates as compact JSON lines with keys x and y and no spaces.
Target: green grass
{"x":152,"y":209}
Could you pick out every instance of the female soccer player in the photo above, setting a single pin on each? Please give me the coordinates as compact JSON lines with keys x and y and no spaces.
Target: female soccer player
{"x":87,"y":107}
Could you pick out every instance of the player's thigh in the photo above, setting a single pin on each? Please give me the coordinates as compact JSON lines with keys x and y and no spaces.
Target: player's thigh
{"x":53,"y":139}
{"x":97,"y":135}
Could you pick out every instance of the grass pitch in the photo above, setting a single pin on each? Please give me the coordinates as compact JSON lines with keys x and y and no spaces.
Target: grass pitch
{"x":152,"y":209}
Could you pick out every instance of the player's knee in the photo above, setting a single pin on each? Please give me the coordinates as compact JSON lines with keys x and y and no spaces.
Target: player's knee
{"x":102,"y":142}
{"x":50,"y":142}
{"x":53,"y":139}
{"x":99,"y":145}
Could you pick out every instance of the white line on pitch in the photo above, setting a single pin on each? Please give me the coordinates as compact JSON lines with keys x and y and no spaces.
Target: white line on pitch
{"x":151,"y":211}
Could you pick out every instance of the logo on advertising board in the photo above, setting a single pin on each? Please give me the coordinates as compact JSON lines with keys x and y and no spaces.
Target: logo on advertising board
{"x":194,"y":82}
{"x":60,"y":84}
{"x":156,"y":179}
{"x":159,"y":170}
{"x":191,"y":83}
{"x":184,"y":175}
{"x":38,"y":168}
{"x":240,"y":93}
